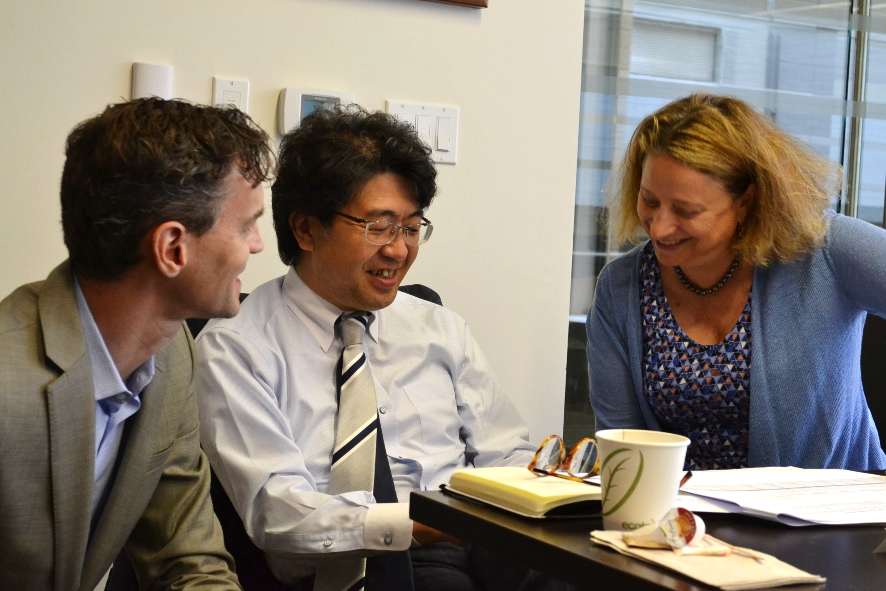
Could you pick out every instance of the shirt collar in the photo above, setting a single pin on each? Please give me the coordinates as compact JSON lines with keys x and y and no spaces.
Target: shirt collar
{"x":317,"y":314}
{"x":106,"y":379}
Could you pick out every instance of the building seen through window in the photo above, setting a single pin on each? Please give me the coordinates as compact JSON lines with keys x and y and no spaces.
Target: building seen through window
{"x":815,"y":67}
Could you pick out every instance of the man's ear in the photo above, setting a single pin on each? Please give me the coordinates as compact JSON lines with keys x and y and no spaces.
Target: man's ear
{"x":304,"y":228}
{"x":169,"y":247}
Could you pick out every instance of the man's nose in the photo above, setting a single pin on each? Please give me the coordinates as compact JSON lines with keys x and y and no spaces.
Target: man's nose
{"x":397,"y":248}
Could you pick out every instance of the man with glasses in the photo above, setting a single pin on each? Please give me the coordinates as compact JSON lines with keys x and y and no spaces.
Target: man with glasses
{"x":348,"y":204}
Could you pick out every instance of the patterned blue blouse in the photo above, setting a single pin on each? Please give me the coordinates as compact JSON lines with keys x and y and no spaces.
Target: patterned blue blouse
{"x":699,"y":391}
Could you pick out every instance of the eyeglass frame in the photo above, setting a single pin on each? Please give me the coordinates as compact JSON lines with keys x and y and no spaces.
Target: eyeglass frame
{"x":398,"y":228}
{"x":564,"y":460}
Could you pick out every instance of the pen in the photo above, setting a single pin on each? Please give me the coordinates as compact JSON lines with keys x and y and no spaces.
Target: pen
{"x":685,"y":478}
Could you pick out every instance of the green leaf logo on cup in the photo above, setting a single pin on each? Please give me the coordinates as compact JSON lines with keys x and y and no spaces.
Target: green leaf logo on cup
{"x":625,"y":468}
{"x":640,"y":473}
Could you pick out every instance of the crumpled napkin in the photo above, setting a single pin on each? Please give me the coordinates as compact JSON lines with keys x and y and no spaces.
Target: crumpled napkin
{"x":742,"y":569}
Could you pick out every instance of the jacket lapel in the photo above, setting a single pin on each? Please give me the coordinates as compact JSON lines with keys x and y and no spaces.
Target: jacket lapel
{"x":148,"y":433}
{"x":70,"y":404}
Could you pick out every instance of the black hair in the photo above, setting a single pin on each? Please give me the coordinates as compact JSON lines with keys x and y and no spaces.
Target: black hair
{"x":327,"y":160}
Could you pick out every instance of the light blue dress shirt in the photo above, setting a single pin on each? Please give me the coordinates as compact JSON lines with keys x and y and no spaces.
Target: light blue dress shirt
{"x":266,"y":393}
{"x":115,"y":401}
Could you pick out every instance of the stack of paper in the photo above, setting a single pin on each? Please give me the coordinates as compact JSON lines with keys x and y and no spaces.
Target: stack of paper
{"x":794,"y":496}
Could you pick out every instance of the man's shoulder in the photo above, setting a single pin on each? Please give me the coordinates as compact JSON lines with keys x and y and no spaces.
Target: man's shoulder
{"x":411,"y":304}
{"x":22,"y":351}
{"x":18,"y":310}
{"x":410,"y":315}
{"x":21,"y":308}
{"x":24,"y":334}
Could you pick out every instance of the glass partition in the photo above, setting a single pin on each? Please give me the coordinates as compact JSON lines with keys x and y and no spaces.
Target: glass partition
{"x":794,"y":59}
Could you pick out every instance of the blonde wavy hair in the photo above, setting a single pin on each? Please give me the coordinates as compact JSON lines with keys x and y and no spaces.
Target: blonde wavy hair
{"x":730,"y":141}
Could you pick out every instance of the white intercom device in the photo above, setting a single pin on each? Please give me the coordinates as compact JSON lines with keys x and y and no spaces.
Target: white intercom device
{"x":294,"y":104}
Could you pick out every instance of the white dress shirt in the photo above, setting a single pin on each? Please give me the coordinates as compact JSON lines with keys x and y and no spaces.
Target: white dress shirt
{"x":266,"y":392}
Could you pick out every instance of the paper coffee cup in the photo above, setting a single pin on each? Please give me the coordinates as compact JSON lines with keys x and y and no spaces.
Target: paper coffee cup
{"x":640,"y":473}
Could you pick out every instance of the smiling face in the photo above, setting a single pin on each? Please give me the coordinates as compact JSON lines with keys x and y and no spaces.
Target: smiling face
{"x":689,"y":216}
{"x":337,"y":262}
{"x":218,"y":257}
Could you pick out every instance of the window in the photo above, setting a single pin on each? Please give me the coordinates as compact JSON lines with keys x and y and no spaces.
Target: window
{"x":794,"y":59}
{"x":674,"y":50}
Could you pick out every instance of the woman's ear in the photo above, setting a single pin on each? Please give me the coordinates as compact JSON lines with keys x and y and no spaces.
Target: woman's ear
{"x":746,"y":201}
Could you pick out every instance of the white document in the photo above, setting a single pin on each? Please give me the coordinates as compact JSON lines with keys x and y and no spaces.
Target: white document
{"x":794,"y":496}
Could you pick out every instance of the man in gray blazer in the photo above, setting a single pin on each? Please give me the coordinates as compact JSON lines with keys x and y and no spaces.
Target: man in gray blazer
{"x":99,"y":442}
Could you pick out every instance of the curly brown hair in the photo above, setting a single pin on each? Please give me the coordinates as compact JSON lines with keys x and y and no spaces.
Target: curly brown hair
{"x":145,"y":162}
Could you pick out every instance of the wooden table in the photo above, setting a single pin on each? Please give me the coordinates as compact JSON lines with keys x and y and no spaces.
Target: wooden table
{"x":842,"y":554}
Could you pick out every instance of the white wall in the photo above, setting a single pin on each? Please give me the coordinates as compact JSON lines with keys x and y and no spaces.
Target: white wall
{"x":501,"y":251}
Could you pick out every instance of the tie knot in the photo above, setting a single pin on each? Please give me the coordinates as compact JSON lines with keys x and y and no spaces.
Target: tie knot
{"x":352,"y":325}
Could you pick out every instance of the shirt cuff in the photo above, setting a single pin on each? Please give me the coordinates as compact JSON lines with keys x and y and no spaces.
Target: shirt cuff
{"x":388,"y":527}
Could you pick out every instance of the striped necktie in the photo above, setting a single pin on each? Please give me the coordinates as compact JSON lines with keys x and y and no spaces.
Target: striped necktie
{"x":356,"y":428}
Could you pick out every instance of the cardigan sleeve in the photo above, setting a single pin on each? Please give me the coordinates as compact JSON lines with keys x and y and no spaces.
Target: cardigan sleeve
{"x":614,"y":391}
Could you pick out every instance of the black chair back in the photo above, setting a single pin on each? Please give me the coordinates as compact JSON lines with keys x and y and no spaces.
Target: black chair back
{"x":873,"y":370}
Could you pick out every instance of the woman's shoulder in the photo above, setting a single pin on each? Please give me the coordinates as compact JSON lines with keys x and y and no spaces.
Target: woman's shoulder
{"x":851,"y":246}
{"x":620,"y":275}
{"x":852,"y":237}
{"x":624,"y":266}
{"x":849,"y":228}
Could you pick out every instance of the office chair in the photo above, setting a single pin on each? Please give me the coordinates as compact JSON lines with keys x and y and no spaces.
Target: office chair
{"x":422,"y":291}
{"x":873,"y":371}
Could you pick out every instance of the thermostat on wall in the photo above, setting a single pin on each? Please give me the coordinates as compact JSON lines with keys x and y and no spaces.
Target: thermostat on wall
{"x":295,"y":104}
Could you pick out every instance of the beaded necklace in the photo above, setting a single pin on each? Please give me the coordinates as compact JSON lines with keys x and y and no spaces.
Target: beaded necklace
{"x":703,"y":292}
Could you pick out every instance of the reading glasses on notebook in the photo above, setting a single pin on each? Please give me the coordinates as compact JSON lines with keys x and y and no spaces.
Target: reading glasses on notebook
{"x":551,"y":460}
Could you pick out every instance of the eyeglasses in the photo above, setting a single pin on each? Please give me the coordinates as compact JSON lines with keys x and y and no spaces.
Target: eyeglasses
{"x":551,"y":459}
{"x":381,"y":233}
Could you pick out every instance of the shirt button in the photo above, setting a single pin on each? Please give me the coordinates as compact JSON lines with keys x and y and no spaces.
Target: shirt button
{"x":389,"y":539}
{"x":382,"y":410}
{"x":327,"y":543}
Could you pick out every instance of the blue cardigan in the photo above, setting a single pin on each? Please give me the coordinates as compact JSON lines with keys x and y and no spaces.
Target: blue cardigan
{"x":808,"y":408}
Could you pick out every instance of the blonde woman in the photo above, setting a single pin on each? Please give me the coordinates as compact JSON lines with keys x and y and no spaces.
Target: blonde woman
{"x":737,"y":321}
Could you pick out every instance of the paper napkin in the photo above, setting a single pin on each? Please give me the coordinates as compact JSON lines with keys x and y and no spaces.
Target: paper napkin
{"x":742,"y":569}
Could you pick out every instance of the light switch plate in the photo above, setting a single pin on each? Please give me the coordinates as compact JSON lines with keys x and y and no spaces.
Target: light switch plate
{"x":151,"y":80}
{"x":230,"y":92}
{"x":436,"y":125}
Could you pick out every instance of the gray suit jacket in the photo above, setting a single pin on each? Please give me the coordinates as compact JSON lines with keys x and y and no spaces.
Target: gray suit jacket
{"x":158,"y":505}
